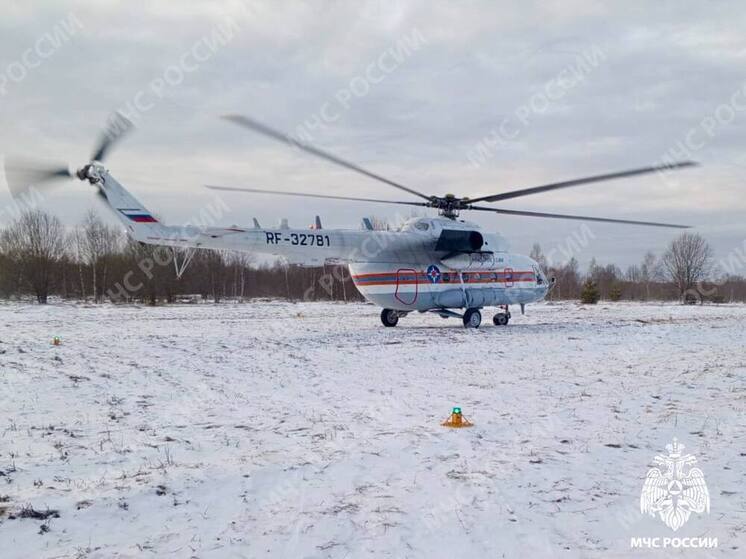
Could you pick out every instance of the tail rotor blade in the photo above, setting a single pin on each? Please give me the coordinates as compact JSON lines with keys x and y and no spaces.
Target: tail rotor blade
{"x":21,"y":175}
{"x":117,"y":127}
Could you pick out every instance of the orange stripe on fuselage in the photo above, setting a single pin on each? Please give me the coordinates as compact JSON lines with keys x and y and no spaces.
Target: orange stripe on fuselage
{"x":473,"y":277}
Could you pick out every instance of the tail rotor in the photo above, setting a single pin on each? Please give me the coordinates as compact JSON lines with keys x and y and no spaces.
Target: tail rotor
{"x":23,"y":174}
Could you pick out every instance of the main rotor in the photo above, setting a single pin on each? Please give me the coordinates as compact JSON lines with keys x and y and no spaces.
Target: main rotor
{"x":449,"y":205}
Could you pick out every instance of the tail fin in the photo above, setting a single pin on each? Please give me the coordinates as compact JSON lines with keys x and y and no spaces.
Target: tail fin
{"x":140,"y":223}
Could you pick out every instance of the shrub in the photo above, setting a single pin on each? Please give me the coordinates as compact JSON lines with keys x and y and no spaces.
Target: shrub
{"x":589,"y":294}
{"x":615,"y":293}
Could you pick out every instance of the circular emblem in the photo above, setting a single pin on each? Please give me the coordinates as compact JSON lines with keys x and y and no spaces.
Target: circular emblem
{"x":433,"y":274}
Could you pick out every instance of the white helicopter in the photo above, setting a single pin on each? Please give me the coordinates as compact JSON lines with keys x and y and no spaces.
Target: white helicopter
{"x":438,"y":264}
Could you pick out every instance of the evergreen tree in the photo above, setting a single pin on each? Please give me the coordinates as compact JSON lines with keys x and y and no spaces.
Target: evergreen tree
{"x":589,"y":294}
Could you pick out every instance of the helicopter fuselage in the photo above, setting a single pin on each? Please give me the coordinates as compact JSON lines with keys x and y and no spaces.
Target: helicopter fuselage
{"x":408,"y":287}
{"x":429,"y":263}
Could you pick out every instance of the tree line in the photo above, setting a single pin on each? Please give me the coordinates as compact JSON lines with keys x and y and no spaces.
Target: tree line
{"x":686,"y":271}
{"x":95,"y":262}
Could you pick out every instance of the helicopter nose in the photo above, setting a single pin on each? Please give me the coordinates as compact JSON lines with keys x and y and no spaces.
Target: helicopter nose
{"x":539,"y":274}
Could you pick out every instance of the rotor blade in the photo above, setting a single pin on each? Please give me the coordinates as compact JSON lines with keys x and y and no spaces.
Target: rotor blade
{"x":280,"y":137}
{"x":579,"y":217}
{"x":326,"y":196}
{"x":22,"y":174}
{"x":117,"y":127}
{"x":585,"y":180}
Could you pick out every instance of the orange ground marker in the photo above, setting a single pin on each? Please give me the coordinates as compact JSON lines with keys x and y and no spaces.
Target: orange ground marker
{"x":456,"y":420}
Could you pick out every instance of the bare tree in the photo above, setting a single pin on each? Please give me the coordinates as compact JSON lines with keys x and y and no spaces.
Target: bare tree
{"x":96,"y":243}
{"x":605,"y":277}
{"x":36,"y":244}
{"x":10,"y":280}
{"x":242,"y":261}
{"x":687,"y":261}
{"x":149,"y":272}
{"x":633,"y":273}
{"x":568,"y":280}
{"x":650,"y":271}
{"x":633,"y":279}
{"x":538,"y":256}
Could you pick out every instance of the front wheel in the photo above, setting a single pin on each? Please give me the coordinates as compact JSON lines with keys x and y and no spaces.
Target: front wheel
{"x":472,"y":318}
{"x":389,"y":317}
{"x":501,"y":319}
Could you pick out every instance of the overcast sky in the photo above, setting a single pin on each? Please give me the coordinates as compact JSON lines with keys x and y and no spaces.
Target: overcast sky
{"x":466,"y":97}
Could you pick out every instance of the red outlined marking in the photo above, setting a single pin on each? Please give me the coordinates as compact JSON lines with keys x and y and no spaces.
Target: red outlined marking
{"x":406,"y":276}
{"x":509,"y":277}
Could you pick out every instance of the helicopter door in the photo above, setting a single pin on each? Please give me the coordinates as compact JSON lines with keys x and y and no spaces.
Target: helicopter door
{"x":509,"y":277}
{"x":406,"y":277}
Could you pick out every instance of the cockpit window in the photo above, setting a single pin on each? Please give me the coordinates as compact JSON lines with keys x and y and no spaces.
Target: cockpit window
{"x":539,"y":276}
{"x":422,"y":225}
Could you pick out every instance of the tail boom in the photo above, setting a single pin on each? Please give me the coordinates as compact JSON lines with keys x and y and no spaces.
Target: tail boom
{"x":298,"y":246}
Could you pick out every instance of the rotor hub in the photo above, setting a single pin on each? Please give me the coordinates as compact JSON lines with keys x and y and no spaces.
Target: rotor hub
{"x":449,"y":205}
{"x":92,"y":172}
{"x":82,"y":173}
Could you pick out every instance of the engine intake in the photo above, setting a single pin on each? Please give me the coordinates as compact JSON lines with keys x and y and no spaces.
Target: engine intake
{"x":455,"y":240}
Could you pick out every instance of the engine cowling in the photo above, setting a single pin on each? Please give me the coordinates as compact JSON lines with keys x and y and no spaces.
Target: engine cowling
{"x":471,"y":261}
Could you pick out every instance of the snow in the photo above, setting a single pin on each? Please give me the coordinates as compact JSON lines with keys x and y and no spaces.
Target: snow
{"x":275,"y":429}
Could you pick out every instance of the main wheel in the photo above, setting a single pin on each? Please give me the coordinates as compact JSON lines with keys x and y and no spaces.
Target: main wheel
{"x":472,"y":318}
{"x":389,"y":317}
{"x":501,"y":319}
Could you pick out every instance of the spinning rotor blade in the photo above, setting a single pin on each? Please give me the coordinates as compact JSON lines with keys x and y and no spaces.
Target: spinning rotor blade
{"x":579,"y":217}
{"x":21,"y":174}
{"x":117,"y":127}
{"x":325,"y":196}
{"x":585,"y":180}
{"x":280,"y":137}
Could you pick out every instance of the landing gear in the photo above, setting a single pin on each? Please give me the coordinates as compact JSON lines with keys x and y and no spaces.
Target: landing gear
{"x":389,"y":317}
{"x":501,"y":319}
{"x":472,"y":318}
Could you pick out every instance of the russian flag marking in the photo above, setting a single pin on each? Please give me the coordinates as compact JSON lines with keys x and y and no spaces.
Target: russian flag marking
{"x":138,"y":216}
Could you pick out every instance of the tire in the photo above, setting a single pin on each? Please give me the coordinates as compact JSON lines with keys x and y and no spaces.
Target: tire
{"x":389,"y":318}
{"x":501,"y":319}
{"x":472,"y":318}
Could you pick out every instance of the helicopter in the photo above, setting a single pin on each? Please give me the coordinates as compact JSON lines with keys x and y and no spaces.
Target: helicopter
{"x":439,"y":264}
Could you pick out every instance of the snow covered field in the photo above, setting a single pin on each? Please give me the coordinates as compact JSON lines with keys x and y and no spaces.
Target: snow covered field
{"x":309,"y":430}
